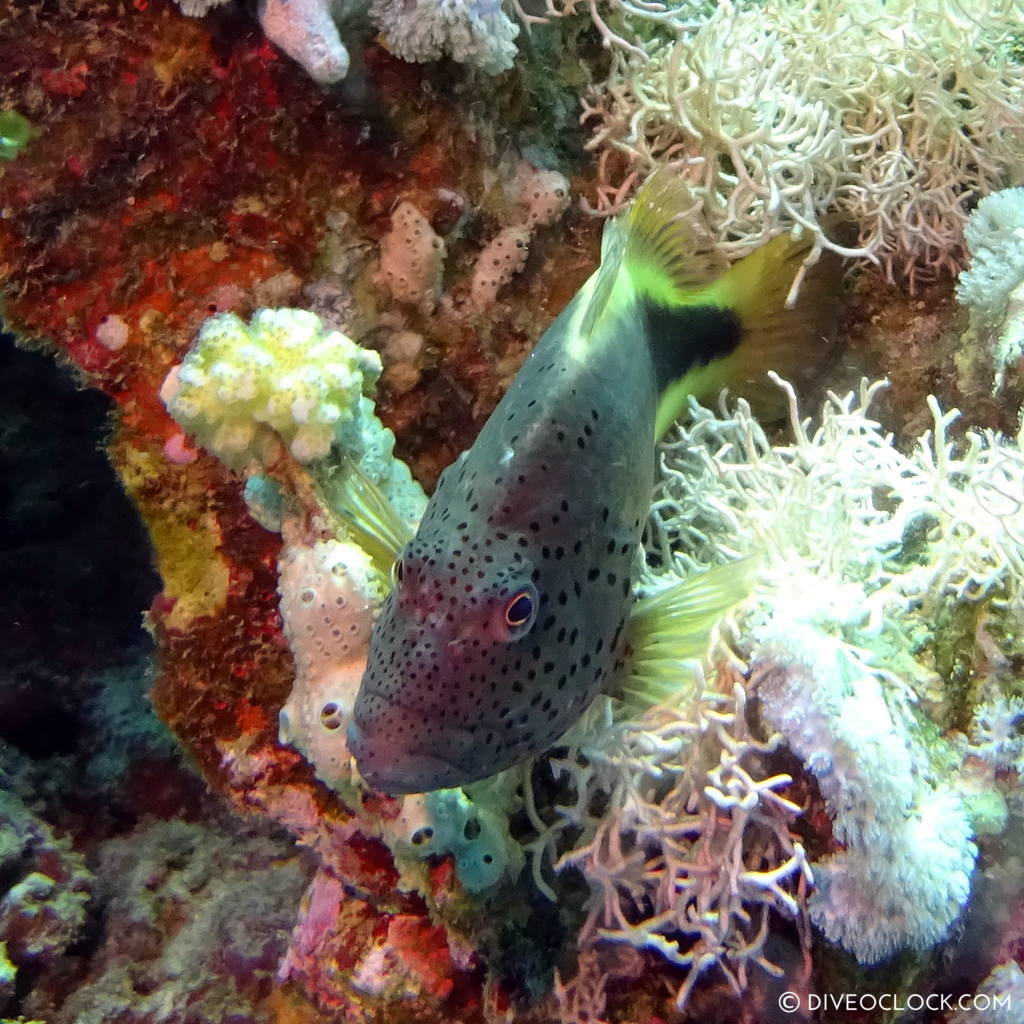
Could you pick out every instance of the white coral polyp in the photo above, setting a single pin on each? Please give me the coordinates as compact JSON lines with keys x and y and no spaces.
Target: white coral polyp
{"x":283,"y":377}
{"x":902,"y":892}
{"x":475,"y":32}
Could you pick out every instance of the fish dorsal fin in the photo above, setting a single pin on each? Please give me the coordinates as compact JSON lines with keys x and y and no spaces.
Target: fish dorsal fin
{"x":662,"y":245}
{"x":669,"y":252}
{"x":711,"y":325}
{"x":602,"y":283}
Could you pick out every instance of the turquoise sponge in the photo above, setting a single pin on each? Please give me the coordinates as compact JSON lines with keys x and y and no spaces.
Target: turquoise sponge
{"x":448,"y":821}
{"x":243,"y":389}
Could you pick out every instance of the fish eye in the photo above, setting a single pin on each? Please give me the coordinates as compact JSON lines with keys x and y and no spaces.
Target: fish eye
{"x":519,"y":609}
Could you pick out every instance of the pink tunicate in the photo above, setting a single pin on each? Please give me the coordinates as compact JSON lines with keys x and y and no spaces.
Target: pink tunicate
{"x":178,"y":450}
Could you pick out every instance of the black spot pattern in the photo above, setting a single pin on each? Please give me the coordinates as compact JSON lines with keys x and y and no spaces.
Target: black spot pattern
{"x":550,"y":497}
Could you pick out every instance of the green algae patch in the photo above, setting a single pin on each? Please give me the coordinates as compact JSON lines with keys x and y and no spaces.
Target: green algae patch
{"x":15,"y":134}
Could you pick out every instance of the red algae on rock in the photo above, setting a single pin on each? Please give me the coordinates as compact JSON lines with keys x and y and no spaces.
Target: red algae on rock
{"x":179,"y":168}
{"x":182,"y":167}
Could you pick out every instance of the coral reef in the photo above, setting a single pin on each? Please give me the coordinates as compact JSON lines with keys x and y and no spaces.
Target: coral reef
{"x":991,"y":286}
{"x":903,"y":873}
{"x":891,"y":115}
{"x":997,"y":732}
{"x":822,"y":794}
{"x":193,"y":916}
{"x":998,"y":998}
{"x":46,"y":889}
{"x":412,"y":258}
{"x":474,"y":32}
{"x":692,"y":851}
{"x":539,"y":198}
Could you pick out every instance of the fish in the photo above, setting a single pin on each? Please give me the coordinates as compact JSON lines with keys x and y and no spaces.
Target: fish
{"x":512,"y":604}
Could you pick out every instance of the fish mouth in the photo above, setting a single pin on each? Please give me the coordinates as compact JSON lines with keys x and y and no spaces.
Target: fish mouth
{"x":391,"y":768}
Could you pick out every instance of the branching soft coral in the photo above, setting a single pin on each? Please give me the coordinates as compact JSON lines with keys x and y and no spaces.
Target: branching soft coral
{"x":676,"y":820}
{"x":476,"y":32}
{"x":897,"y":115}
{"x":863,"y":549}
{"x":694,"y":850}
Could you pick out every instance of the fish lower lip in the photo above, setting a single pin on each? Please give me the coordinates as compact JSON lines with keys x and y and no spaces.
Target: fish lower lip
{"x":391,"y":769}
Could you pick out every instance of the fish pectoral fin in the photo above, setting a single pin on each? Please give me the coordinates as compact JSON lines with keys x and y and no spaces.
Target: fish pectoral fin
{"x":365,"y":514}
{"x":669,"y":633}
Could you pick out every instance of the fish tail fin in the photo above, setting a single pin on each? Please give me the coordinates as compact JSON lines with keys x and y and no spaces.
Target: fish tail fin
{"x":712,"y":325}
{"x":669,"y":632}
{"x":793,"y":338}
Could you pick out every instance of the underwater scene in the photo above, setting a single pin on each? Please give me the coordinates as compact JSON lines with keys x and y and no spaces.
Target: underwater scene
{"x":511,"y":512}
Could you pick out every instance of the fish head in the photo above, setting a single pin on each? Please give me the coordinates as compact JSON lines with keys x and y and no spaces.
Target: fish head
{"x":436,"y":699}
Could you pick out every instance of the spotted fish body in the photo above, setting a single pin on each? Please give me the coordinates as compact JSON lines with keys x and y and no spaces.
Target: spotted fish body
{"x":511,"y":604}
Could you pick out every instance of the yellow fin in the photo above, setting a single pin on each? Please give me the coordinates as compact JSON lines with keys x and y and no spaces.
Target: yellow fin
{"x":794,"y":342}
{"x":669,"y":252}
{"x":671,"y":630}
{"x":366,"y":515}
{"x":662,"y":245}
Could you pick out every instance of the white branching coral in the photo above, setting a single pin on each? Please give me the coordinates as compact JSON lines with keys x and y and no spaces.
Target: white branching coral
{"x":862,"y":548}
{"x":683,"y":832}
{"x":694,"y":850}
{"x":842,"y":503}
{"x":896,"y":115}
